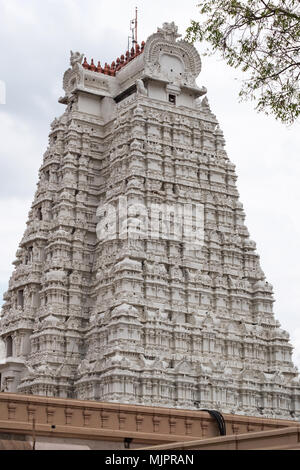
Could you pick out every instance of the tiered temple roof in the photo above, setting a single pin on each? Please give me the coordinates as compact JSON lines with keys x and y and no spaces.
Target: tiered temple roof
{"x":136,"y":280}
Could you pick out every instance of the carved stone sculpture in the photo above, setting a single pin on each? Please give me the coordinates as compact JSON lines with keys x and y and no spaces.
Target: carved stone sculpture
{"x":136,"y":280}
{"x":76,"y":58}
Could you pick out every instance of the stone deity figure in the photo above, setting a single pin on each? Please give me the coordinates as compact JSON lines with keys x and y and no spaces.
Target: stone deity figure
{"x":76,"y":58}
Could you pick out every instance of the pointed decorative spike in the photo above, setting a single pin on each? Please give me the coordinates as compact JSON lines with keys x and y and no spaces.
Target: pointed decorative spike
{"x":99,"y":69}
{"x":85,"y":64}
{"x":92,"y":67}
{"x":118,"y":65}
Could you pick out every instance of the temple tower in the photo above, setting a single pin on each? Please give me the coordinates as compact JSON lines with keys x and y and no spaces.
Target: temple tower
{"x":136,"y":280}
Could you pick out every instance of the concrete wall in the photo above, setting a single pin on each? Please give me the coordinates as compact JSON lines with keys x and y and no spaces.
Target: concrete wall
{"x":75,"y":424}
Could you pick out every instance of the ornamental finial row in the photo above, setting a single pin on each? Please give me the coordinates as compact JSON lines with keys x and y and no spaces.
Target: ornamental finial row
{"x":115,"y":65}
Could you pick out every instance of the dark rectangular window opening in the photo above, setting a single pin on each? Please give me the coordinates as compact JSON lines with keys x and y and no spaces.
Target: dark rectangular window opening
{"x":125,"y":94}
{"x":21,"y":298}
{"x":40,"y":214}
{"x":172,"y":99}
{"x":9,"y":346}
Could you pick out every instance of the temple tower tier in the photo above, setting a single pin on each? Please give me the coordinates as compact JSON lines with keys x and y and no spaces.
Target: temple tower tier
{"x":136,"y":280}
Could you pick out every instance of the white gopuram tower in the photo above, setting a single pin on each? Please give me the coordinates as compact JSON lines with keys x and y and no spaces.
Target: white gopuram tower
{"x":136,"y":280}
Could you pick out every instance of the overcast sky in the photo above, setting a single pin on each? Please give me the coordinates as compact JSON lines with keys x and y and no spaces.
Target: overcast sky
{"x":35,"y":41}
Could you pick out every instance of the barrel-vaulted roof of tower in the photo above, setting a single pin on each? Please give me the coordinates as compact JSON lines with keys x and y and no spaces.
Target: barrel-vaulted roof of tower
{"x":162,"y":58}
{"x":163,"y":43}
{"x":165,"y":60}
